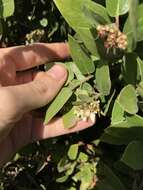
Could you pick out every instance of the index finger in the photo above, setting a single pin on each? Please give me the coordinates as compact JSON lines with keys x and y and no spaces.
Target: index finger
{"x":26,"y":57}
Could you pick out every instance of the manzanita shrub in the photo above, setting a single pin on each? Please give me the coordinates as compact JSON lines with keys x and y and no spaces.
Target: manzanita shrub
{"x":104,"y":85}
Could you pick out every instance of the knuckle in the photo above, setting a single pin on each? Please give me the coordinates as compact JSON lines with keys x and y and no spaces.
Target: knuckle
{"x":46,"y":87}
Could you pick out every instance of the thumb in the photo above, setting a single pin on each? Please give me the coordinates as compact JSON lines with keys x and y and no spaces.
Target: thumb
{"x":39,"y":92}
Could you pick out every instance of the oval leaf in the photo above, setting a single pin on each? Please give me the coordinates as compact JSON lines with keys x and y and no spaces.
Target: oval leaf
{"x":96,"y":14}
{"x":126,"y":131}
{"x":103,"y":81}
{"x":72,"y":10}
{"x":133,"y":155}
{"x":129,"y":31}
{"x":133,"y":17}
{"x":73,"y":13}
{"x":117,"y":7}
{"x":73,"y":151}
{"x":140,"y":68}
{"x":128,"y":100}
{"x":110,"y":180}
{"x":117,"y":113}
{"x":80,"y":57}
{"x":129,"y":65}
{"x":6,"y":8}
{"x":69,"y":119}
{"x":58,"y":103}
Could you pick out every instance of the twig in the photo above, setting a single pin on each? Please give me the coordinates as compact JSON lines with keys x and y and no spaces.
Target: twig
{"x":82,"y":81}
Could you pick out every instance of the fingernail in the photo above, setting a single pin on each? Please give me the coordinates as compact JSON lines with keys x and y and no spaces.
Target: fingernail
{"x":58,"y":72}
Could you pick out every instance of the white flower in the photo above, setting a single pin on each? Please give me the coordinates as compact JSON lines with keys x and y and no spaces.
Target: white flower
{"x":92,"y":117}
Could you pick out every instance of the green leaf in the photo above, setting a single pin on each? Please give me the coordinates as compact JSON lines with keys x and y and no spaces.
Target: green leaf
{"x":62,"y":179}
{"x":70,"y":170}
{"x":93,"y":17}
{"x":129,"y":65}
{"x":102,"y":75}
{"x":133,"y":17}
{"x":128,"y":100}
{"x":139,"y":89}
{"x":86,"y":35}
{"x":124,"y":132}
{"x":117,"y":113}
{"x":69,"y":119}
{"x":140,"y":68}
{"x":73,"y":151}
{"x":128,"y":30}
{"x":85,"y":175}
{"x":80,"y":57}
{"x":6,"y":8}
{"x":97,"y":9}
{"x":133,"y":155}
{"x":76,"y":71}
{"x":83,"y":157}
{"x":110,"y":180}
{"x":58,"y":103}
{"x":64,"y":164}
{"x":72,"y":11}
{"x":117,"y":7}
{"x":113,"y":139}
{"x":87,"y":87}
{"x":109,"y":104}
{"x":70,"y":73}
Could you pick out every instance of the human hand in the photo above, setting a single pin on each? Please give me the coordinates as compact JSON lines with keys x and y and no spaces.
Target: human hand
{"x":23,"y":90}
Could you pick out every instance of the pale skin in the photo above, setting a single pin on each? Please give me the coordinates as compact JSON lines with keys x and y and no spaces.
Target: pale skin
{"x":23,"y":89}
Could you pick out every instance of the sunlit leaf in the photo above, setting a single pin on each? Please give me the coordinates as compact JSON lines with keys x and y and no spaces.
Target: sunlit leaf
{"x":72,"y":10}
{"x":62,"y":179}
{"x":117,"y":7}
{"x":69,"y":119}
{"x":57,"y":103}
{"x":117,"y":113}
{"x":139,"y":89}
{"x":83,"y":157}
{"x":80,"y":57}
{"x":133,"y":17}
{"x":73,"y":151}
{"x":102,"y":76}
{"x":70,"y":73}
{"x":128,"y":99}
{"x":6,"y":8}
{"x":128,"y":30}
{"x":76,"y":71}
{"x":140,"y":68}
{"x":124,"y":132}
{"x":93,"y":17}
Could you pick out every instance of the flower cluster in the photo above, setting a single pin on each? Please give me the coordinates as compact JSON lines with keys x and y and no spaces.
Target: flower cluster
{"x":113,"y":37}
{"x":34,"y":36}
{"x":88,"y":110}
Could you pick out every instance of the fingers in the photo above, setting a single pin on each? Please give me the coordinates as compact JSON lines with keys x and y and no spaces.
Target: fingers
{"x":26,"y":57}
{"x":26,"y":76}
{"x":35,"y":94}
{"x":28,"y":131}
{"x":55,"y":128}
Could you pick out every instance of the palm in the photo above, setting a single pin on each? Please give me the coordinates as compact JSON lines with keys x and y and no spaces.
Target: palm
{"x":14,"y":70}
